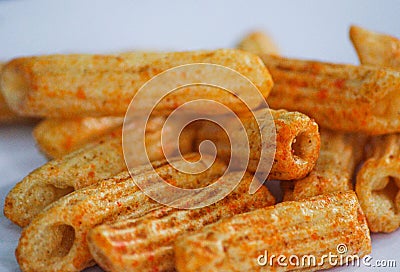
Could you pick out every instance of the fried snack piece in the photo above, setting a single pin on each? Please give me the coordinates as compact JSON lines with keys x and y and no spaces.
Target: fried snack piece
{"x":339,"y":155}
{"x":146,"y":243}
{"x":86,"y":166}
{"x":339,"y":97}
{"x":297,"y":143}
{"x":378,"y":183}
{"x":375,"y":48}
{"x":58,"y":137}
{"x":104,"y":85}
{"x":59,"y":177}
{"x":314,"y":226}
{"x":105,"y":159}
{"x":55,"y":240}
{"x":6,"y":115}
{"x":258,"y":43}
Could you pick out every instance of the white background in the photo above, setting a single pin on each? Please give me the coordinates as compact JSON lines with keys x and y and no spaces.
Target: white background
{"x":305,"y":29}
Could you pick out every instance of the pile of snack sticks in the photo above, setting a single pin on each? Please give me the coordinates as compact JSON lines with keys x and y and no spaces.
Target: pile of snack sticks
{"x":337,"y":157}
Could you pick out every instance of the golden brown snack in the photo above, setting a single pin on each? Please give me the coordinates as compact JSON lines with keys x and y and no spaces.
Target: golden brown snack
{"x":74,"y":171}
{"x":297,"y":143}
{"x":58,"y":137}
{"x":58,"y":177}
{"x":258,"y":43}
{"x":339,"y":97}
{"x":104,"y":85}
{"x":56,"y":239}
{"x":339,"y":155}
{"x":314,"y":226}
{"x":90,"y":164}
{"x":6,"y":115}
{"x":378,"y":183}
{"x":86,"y":166}
{"x":146,"y":243}
{"x":375,"y":48}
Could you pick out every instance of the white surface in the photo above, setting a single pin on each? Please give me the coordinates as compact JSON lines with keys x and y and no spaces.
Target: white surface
{"x":307,"y":29}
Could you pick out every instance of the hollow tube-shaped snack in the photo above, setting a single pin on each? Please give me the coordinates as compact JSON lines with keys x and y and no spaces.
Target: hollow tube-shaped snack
{"x":59,"y":177}
{"x":258,"y":42}
{"x":86,"y":166}
{"x":104,"y":85}
{"x":146,"y":243}
{"x":378,"y":184}
{"x":297,"y":143}
{"x":339,"y":97}
{"x":339,"y":155}
{"x":317,"y":226}
{"x":375,"y":48}
{"x":55,"y":240}
{"x":58,"y":137}
{"x":105,"y":159}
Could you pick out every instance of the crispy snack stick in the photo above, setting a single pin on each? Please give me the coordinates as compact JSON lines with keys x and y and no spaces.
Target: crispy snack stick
{"x":104,"y":85}
{"x":339,"y":97}
{"x":288,"y":228}
{"x":258,"y":43}
{"x":297,"y":143}
{"x":6,"y":115}
{"x":59,"y":177}
{"x":105,"y":159}
{"x":56,"y":239}
{"x":339,"y":155}
{"x":86,"y":166}
{"x":58,"y":137}
{"x":135,"y":245}
{"x":378,"y":183}
{"x":375,"y":48}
